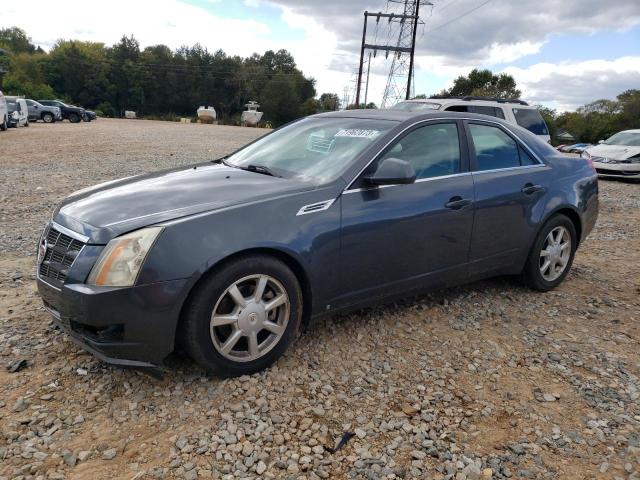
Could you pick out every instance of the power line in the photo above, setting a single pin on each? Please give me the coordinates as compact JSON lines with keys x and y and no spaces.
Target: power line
{"x":469,"y":12}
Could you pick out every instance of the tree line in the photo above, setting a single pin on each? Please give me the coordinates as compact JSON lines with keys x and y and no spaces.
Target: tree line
{"x":157,"y":81}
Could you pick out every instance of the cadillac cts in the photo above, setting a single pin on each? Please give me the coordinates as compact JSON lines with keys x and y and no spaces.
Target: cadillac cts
{"x":230,"y":258}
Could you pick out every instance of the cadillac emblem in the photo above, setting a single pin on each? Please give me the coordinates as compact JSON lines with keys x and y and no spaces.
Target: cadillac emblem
{"x":42,"y":250}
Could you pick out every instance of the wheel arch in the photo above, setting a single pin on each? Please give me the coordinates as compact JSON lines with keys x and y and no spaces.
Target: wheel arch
{"x":571,"y":213}
{"x":285,"y":257}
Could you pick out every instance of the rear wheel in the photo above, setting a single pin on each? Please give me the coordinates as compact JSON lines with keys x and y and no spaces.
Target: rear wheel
{"x":241,"y":319}
{"x":48,"y":118}
{"x":552,"y":254}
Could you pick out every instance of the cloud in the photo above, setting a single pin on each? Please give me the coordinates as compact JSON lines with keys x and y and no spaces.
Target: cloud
{"x":570,"y":85}
{"x":500,"y":31}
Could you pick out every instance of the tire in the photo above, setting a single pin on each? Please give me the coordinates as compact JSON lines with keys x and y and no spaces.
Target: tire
{"x":560,"y":260}
{"x":74,"y":118}
{"x":85,"y":118}
{"x":3,"y":125}
{"x":48,"y":118}
{"x":27,"y":123}
{"x":241,"y":320}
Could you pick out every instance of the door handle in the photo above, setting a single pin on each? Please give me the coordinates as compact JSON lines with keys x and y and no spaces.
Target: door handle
{"x":530,"y":189}
{"x":457,"y":202}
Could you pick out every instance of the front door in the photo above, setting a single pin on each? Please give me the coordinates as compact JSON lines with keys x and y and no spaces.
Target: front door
{"x":403,"y":237}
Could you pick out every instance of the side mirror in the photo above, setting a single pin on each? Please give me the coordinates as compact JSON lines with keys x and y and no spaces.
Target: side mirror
{"x":600,"y":141}
{"x":392,"y":171}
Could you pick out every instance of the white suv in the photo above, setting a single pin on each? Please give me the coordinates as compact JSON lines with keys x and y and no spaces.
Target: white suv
{"x":516,"y":112}
{"x":4,"y":113}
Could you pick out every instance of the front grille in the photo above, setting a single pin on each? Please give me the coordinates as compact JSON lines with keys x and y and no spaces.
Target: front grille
{"x":607,"y":171}
{"x":61,"y":252}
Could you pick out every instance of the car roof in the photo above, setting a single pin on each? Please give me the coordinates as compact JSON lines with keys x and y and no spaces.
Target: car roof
{"x":403,"y":116}
{"x":634,"y":130}
{"x":469,"y":101}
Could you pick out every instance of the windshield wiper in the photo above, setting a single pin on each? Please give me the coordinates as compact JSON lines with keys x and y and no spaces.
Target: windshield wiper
{"x":260,"y":169}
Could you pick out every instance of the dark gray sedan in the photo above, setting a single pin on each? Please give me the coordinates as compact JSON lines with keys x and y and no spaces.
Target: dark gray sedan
{"x":332,"y":212}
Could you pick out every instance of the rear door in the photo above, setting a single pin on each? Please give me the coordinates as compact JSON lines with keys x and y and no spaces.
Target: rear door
{"x":399,"y":238}
{"x":510,"y":184}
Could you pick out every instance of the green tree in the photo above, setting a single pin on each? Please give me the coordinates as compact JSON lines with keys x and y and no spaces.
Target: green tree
{"x":16,"y":41}
{"x":329,"y":102}
{"x":484,"y":83}
{"x":278,"y":100}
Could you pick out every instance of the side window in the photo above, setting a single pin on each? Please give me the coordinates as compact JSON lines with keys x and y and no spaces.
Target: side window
{"x":457,"y":108}
{"x":484,"y":110}
{"x":433,"y":150}
{"x":525,"y":158}
{"x":494,"y":148}
{"x":499,"y":113}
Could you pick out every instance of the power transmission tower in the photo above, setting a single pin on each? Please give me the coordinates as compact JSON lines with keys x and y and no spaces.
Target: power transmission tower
{"x":403,"y":50}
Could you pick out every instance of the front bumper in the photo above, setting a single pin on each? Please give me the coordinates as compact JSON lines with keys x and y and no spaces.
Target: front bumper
{"x":133,"y":326}
{"x":617,"y":169}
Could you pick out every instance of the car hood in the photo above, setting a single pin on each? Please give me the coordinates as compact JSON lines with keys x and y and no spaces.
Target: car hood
{"x":618,"y":152}
{"x":113,"y":208}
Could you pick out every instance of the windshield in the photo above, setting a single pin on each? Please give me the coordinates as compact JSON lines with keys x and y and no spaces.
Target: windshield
{"x":415,"y":106}
{"x":12,"y":106}
{"x":312,"y":149}
{"x":629,"y":139}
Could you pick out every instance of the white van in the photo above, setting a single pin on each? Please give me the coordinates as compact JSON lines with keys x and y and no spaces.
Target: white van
{"x":4,"y":114}
{"x":18,"y":111}
{"x":513,"y":111}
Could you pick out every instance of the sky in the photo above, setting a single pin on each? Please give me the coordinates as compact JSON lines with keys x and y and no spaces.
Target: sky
{"x":562,"y":53}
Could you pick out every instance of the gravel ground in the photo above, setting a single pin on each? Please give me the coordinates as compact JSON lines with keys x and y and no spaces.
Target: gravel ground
{"x":490,"y":380}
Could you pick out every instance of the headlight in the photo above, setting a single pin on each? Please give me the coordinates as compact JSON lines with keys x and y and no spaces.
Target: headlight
{"x":120,"y":262}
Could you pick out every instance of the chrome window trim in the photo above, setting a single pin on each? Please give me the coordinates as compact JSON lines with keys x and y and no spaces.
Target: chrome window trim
{"x":421,"y":180}
{"x":506,"y":169}
{"x":348,"y":188}
{"x":70,"y":233}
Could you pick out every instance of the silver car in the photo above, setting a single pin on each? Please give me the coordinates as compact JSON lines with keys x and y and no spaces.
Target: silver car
{"x":47,"y":114}
{"x":617,"y":156}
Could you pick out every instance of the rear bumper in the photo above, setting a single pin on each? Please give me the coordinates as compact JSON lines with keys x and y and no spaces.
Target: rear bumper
{"x":133,"y":327}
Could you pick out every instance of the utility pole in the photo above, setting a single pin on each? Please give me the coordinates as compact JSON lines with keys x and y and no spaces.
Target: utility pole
{"x":413,"y":50}
{"x":366,"y":88}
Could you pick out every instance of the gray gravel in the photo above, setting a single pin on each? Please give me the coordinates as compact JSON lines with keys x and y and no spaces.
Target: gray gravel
{"x":489,"y":380}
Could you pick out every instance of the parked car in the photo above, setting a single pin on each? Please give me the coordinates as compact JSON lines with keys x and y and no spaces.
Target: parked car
{"x":18,"y":112}
{"x":4,"y":113}
{"x":617,"y":156}
{"x":69,"y":112}
{"x":47,"y":114}
{"x":575,"y":148}
{"x":514,"y":111}
{"x":329,"y":213}
{"x":89,"y":115}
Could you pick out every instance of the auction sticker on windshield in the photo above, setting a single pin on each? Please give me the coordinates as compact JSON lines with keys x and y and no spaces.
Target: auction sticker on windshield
{"x":357,"y":133}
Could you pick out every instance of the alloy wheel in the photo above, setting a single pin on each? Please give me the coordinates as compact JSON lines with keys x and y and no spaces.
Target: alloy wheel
{"x":249,"y":318}
{"x":555,"y":253}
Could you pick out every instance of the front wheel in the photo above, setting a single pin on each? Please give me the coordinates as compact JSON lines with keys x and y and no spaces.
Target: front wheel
{"x":242,"y":318}
{"x":3,"y":125}
{"x":74,"y":118}
{"x":552,"y":254}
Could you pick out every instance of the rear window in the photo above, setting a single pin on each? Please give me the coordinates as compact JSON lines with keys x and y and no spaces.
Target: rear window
{"x":530,"y":119}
